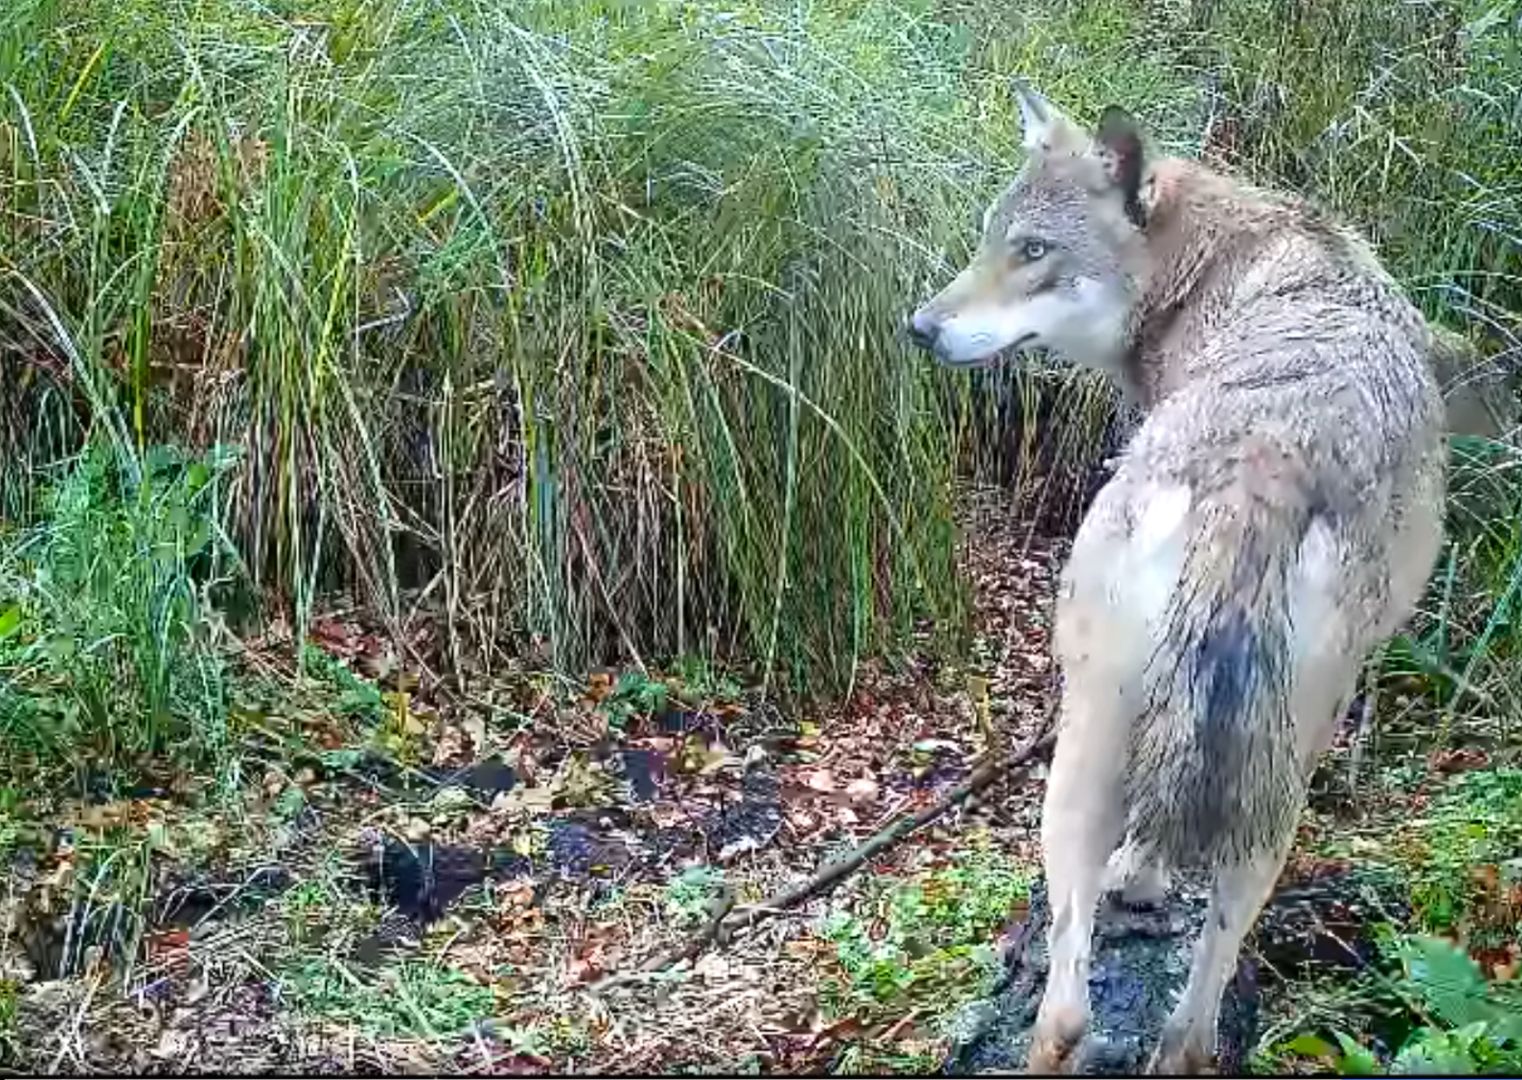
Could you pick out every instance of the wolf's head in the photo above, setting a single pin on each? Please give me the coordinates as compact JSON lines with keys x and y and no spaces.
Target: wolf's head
{"x":1060,"y":262}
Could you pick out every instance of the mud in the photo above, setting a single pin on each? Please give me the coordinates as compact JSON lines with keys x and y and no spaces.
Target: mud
{"x":1141,"y":962}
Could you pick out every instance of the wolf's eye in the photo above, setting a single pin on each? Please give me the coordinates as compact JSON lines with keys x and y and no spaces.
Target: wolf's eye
{"x":1032,"y":248}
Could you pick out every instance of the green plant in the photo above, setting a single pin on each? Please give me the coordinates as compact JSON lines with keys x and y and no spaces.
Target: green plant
{"x":353,"y":695}
{"x":929,"y":934}
{"x":634,"y":694}
{"x":690,"y":892}
{"x":1440,"y":1016}
{"x":703,"y":683}
{"x":111,"y":889}
{"x":1471,"y":836}
{"x":413,"y":999}
{"x":110,"y":639}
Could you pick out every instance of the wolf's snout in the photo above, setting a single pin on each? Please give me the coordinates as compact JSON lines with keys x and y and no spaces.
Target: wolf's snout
{"x":923,"y":329}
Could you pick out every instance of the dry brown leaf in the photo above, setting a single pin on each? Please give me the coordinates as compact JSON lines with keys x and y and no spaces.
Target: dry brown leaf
{"x":475,"y":728}
{"x":524,"y":800}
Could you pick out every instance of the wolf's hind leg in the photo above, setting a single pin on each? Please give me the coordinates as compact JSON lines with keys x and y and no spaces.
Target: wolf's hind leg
{"x":1080,"y":825}
{"x":1240,"y":890}
{"x":1082,"y":816}
{"x":1122,"y":571}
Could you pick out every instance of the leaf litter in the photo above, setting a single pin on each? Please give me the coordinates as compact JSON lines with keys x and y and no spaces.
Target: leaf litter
{"x":408,"y":883}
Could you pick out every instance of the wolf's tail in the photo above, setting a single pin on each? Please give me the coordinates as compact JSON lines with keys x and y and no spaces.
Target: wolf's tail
{"x":1478,"y":394}
{"x":1213,"y":767}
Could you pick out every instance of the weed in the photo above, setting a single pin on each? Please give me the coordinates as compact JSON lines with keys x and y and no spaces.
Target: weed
{"x":349,"y":694}
{"x":413,"y":999}
{"x":110,"y":649}
{"x":635,"y":694}
{"x":1462,"y":857}
{"x":689,"y":894}
{"x":701,"y":682}
{"x":929,"y":935}
{"x":1438,"y":1015}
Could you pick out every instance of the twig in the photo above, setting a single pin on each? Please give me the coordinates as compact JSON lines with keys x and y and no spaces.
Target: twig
{"x":725,"y":919}
{"x":985,"y":774}
{"x":718,"y":910}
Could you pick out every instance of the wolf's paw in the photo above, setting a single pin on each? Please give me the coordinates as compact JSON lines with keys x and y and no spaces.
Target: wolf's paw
{"x":1180,"y":1052}
{"x":1055,"y":1043}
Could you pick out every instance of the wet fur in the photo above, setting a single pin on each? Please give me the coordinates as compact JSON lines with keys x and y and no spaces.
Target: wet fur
{"x":1275,"y":517}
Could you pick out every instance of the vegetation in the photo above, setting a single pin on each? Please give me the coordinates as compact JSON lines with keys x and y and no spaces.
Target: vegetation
{"x":933,"y":934}
{"x":567,"y":331}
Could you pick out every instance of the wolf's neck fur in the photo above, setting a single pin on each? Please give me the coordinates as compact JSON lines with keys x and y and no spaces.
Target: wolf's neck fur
{"x":1201,"y":226}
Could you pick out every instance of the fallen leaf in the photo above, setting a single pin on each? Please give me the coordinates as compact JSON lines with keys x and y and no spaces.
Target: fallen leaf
{"x":714,"y":758}
{"x":449,"y":798}
{"x":667,"y":815}
{"x":807,"y":948}
{"x":524,"y":800}
{"x":583,"y":782}
{"x":475,"y":728}
{"x":926,"y":746}
{"x":170,"y":945}
{"x":586,"y":967}
{"x":599,"y":685}
{"x":173,"y":1043}
{"x":821,"y":780}
{"x":105,"y":815}
{"x":863,"y":789}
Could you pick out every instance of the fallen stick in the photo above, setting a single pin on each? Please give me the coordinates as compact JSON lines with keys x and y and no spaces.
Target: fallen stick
{"x":729,"y":919}
{"x":981,"y":777}
{"x":717,"y":911}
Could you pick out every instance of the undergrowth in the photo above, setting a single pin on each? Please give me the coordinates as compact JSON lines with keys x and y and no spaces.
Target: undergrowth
{"x":1428,"y":1010}
{"x":574,"y":326}
{"x":108,"y":650}
{"x":925,"y":941}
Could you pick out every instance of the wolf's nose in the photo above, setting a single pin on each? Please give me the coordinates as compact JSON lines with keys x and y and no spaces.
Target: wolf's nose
{"x":923,"y":330}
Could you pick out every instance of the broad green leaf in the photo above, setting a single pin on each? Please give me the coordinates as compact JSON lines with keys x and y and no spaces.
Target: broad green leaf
{"x":1356,"y":1060}
{"x":196,"y":477}
{"x":1449,"y":981}
{"x":1308,"y":1045}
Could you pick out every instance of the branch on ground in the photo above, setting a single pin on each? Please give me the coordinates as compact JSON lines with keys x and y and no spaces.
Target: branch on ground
{"x":725,"y":920}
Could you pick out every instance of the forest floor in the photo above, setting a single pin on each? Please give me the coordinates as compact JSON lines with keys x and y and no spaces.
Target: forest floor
{"x":391,"y":887}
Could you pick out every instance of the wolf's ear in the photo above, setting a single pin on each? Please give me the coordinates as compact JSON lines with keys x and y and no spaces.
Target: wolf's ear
{"x":1039,"y":118}
{"x":1119,"y":141}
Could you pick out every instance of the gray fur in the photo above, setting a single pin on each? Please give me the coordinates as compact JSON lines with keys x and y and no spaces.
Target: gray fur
{"x":1275,"y":516}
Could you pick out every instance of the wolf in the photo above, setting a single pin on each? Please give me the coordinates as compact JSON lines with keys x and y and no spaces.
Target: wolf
{"x":1276,"y":515}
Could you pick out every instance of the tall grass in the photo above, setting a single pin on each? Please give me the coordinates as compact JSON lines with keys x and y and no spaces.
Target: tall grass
{"x":577,"y":322}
